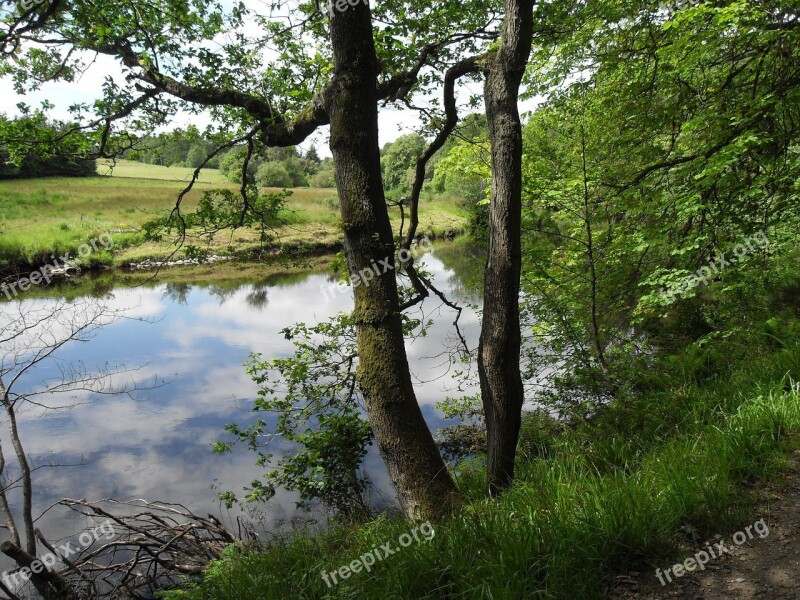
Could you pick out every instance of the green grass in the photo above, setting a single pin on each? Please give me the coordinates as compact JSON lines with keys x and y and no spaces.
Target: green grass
{"x":138,"y":170}
{"x":591,"y":500}
{"x":48,"y":216}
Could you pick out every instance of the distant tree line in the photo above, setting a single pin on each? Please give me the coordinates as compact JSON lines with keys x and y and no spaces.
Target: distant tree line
{"x":277,"y":167}
{"x":456,"y":169}
{"x":280,"y":168}
{"x":54,"y":166}
{"x":180,"y":147}
{"x":52,"y":151}
{"x":453,"y":171}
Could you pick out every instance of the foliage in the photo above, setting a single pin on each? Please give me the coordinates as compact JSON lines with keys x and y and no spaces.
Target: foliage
{"x":463,"y":169}
{"x":197,"y":155}
{"x":298,"y":169}
{"x":232,"y":163}
{"x":276,"y":167}
{"x":180,"y":147}
{"x":317,"y":408}
{"x":271,"y":174}
{"x":398,"y":162}
{"x":463,"y":166}
{"x":51,"y":149}
{"x":676,"y":146}
{"x":221,"y":209}
{"x":312,"y":154}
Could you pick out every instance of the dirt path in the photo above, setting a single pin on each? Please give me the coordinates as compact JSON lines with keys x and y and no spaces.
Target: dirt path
{"x":767,"y":567}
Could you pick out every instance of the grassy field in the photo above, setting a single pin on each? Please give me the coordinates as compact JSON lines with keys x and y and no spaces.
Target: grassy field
{"x":41,"y":217}
{"x":137,"y":170}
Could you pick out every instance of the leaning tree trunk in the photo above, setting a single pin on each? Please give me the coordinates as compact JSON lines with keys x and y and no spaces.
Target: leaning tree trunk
{"x":499,"y":347}
{"x":415,"y":466}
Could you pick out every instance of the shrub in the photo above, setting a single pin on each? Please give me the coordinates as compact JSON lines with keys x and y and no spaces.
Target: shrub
{"x":323,"y":179}
{"x":272,"y":174}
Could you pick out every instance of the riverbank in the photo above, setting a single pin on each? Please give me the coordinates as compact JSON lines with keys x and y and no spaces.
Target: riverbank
{"x":45,"y":219}
{"x":232,"y":274}
{"x":679,"y":457}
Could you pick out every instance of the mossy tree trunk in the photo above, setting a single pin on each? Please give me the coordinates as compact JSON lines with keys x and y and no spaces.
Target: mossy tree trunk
{"x":415,"y":466}
{"x":499,"y":347}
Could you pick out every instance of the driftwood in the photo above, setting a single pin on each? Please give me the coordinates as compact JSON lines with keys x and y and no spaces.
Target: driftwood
{"x":145,"y":546}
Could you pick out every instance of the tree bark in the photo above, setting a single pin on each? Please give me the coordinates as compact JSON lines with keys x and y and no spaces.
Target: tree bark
{"x":499,"y":346}
{"x":415,"y":466}
{"x":594,"y":326}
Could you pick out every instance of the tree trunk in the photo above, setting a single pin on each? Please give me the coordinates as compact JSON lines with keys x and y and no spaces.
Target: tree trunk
{"x":415,"y":466}
{"x":25,"y":475}
{"x":499,"y":347}
{"x":594,"y":327}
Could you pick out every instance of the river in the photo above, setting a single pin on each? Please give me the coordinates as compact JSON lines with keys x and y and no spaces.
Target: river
{"x":186,"y":344}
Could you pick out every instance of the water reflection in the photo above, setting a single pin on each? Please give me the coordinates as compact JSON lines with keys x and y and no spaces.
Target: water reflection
{"x":156,"y":444}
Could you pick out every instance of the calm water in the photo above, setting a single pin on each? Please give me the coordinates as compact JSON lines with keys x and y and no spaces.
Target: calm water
{"x":156,"y":444}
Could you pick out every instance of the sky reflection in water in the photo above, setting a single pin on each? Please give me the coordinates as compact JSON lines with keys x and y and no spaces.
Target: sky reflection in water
{"x":156,"y":445}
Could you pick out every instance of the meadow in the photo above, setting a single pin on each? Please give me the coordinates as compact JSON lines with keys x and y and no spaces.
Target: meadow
{"x":41,"y":217}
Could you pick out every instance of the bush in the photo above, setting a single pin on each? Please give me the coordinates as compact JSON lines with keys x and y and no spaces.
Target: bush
{"x":230,"y":165}
{"x":323,"y":179}
{"x":273,"y":174}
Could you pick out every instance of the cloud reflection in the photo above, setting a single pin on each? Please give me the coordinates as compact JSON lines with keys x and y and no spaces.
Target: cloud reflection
{"x":156,"y":445}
